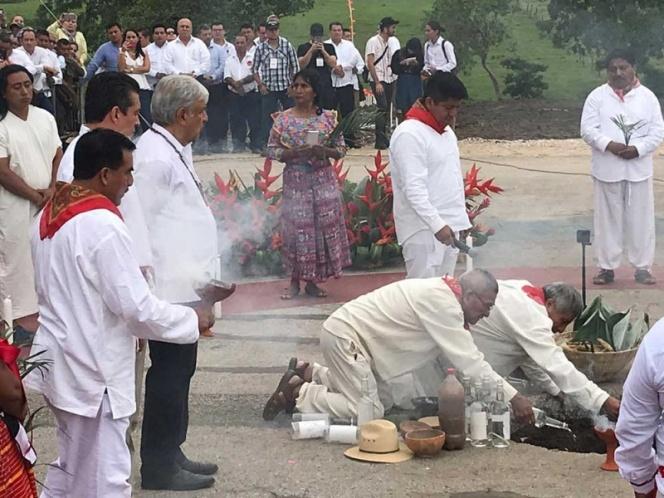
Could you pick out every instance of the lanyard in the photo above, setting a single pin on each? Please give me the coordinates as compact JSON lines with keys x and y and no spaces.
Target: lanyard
{"x":193,"y":177}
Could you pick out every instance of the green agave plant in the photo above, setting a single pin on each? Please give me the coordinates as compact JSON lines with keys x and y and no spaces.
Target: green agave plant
{"x":599,"y":322}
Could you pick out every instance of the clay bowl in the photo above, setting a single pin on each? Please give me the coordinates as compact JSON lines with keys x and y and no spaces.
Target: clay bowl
{"x":411,"y":425}
{"x":431,"y":422}
{"x":425,"y":442}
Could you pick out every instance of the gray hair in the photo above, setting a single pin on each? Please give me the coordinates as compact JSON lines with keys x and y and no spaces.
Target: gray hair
{"x":566,"y":299}
{"x":478,"y":280}
{"x":173,"y":93}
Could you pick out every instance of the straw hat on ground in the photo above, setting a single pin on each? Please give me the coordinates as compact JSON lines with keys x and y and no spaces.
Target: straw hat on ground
{"x":379,"y":443}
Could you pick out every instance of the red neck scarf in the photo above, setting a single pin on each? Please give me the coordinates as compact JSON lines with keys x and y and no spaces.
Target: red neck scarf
{"x":420,"y":113}
{"x":68,"y":201}
{"x":621,"y":92}
{"x":8,"y":355}
{"x":455,"y":287}
{"x":535,"y":293}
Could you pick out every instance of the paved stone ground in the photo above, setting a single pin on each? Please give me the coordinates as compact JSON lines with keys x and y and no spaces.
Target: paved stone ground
{"x":535,"y":219}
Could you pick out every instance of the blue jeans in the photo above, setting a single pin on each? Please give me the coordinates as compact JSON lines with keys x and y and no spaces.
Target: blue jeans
{"x":269,"y":105}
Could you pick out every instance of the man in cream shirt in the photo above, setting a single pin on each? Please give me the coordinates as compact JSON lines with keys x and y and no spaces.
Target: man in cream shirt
{"x":519,"y":333}
{"x":429,"y":200}
{"x":390,"y":333}
{"x":186,"y":54}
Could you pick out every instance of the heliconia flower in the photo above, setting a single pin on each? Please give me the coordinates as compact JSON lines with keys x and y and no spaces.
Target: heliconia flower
{"x":486,"y":202}
{"x":487,"y":187}
{"x":269,"y":194}
{"x":221,"y":185}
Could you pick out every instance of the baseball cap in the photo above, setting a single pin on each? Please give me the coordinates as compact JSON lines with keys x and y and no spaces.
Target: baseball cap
{"x":388,"y":21}
{"x":272,"y":21}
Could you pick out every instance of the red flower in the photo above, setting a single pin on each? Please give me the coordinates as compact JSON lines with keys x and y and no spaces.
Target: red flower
{"x":352,"y":208}
{"x":368,"y":196}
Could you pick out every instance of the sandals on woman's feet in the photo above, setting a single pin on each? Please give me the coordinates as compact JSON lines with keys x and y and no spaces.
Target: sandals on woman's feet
{"x":311,"y":289}
{"x":283,"y":397}
{"x":293,"y":291}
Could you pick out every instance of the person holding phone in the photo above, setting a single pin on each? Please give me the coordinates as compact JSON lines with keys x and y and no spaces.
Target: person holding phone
{"x":322,"y":58}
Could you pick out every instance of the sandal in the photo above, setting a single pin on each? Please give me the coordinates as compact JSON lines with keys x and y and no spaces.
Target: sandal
{"x":644,"y":277}
{"x":294,"y":291}
{"x":283,"y":397}
{"x":312,"y":290}
{"x":300,"y":367}
{"x":604,"y":277}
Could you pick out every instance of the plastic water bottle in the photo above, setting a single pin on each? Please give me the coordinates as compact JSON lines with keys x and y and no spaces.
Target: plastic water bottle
{"x":365,"y":406}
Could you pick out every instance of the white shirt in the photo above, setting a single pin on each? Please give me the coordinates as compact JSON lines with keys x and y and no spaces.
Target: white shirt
{"x":640,"y":423}
{"x":407,"y":324}
{"x":518,"y":333}
{"x":141,"y":79}
{"x":439,"y":56}
{"x":130,"y":207}
{"x":349,"y":58}
{"x":21,"y":58}
{"x":40,"y":57}
{"x":598,"y":130}
{"x":376,"y":46}
{"x":157,"y":64}
{"x":427,"y":180}
{"x":237,"y":70}
{"x":181,"y":228}
{"x":92,"y":298}
{"x":181,"y":58}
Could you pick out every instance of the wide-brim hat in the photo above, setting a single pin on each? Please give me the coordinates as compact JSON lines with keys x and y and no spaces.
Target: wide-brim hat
{"x":379,"y":443}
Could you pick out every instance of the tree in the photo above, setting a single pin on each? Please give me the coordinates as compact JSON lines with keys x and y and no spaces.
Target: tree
{"x":96,"y":14}
{"x":595,"y":27}
{"x":475,"y":27}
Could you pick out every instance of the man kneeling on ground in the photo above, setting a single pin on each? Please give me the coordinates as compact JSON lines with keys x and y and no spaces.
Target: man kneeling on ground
{"x":384,"y":335}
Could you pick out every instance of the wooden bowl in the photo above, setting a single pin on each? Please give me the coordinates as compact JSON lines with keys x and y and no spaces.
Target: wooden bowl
{"x":601,"y":367}
{"x":425,"y":442}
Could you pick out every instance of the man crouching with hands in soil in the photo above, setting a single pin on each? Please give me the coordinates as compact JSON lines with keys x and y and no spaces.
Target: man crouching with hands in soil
{"x":388,"y":333}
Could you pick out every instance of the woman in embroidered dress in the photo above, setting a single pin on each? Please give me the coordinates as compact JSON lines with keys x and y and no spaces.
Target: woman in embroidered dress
{"x":315,"y":246}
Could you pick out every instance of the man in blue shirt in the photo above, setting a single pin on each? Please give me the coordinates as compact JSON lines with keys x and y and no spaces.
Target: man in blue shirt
{"x":106,"y":56}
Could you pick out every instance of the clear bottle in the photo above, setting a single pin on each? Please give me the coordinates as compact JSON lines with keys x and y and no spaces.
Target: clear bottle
{"x":541,"y":419}
{"x":478,"y":419}
{"x":451,"y":411}
{"x":365,"y":406}
{"x":488,"y":388}
{"x":468,"y":391}
{"x":500,"y":433}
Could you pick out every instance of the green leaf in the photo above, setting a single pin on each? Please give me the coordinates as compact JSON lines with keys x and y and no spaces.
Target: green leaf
{"x":635,"y":334}
{"x":617,"y":327}
{"x":588,"y":312}
{"x":594,"y":327}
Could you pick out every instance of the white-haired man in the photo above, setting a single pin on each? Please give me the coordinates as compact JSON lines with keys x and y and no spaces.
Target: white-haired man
{"x":183,"y":239}
{"x":519,"y":333}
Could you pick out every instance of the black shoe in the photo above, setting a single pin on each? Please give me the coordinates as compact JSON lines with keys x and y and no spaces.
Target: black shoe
{"x":604,"y":277}
{"x":181,"y":480}
{"x":643,"y":276}
{"x":200,"y":468}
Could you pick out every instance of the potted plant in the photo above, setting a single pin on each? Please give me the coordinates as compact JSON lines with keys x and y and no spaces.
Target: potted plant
{"x":603,"y":342}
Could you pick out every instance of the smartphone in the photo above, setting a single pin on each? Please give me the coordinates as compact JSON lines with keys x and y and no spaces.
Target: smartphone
{"x":311,"y":138}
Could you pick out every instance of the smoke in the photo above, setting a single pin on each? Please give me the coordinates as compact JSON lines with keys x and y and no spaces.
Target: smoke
{"x":602,"y":423}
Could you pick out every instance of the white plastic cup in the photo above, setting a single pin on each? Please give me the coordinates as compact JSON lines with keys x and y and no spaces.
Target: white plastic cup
{"x":311,"y":429}
{"x":308,"y":417}
{"x":344,"y":434}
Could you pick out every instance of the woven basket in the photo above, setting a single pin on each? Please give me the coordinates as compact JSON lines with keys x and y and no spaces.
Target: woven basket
{"x":601,"y":367}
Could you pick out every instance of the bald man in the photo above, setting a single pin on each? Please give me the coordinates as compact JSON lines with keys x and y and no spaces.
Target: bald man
{"x":386,"y":334}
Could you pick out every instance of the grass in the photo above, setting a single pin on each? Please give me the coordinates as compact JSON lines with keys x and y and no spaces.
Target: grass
{"x":568,"y":77}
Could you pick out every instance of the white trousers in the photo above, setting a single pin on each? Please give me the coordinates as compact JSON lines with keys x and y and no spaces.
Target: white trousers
{"x":426,"y":256}
{"x":624,"y":221}
{"x":93,"y":458}
{"x":337,"y":388}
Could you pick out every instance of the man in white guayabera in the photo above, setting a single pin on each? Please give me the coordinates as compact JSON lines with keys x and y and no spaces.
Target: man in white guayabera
{"x":183,"y":239}
{"x":622,"y":122}
{"x":429,"y":201}
{"x":640,"y":431}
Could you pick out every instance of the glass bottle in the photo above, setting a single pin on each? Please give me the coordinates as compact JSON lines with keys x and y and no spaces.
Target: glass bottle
{"x":365,"y":406}
{"x":541,"y":419}
{"x":468,"y":391}
{"x":500,"y":419}
{"x":478,"y":419}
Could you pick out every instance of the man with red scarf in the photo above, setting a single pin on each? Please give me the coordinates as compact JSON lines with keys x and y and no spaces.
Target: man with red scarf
{"x":519,"y":333}
{"x":93,"y":300}
{"x":429,"y":200}
{"x":622,"y":122}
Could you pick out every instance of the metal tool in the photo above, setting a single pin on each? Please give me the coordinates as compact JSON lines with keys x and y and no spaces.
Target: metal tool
{"x":583,"y":238}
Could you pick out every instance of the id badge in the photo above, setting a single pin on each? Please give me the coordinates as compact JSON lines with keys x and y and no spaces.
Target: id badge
{"x":320,"y":62}
{"x":274,"y":63}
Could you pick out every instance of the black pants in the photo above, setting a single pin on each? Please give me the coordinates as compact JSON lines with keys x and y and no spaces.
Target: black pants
{"x":383,"y":102}
{"x":269,"y":105}
{"x":345,"y":99}
{"x":245,"y":115}
{"x":166,"y":413}
{"x":216,"y":129}
{"x":44,"y":102}
{"x":145,"y":96}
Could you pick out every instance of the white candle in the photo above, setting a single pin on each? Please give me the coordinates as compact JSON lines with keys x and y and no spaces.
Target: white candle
{"x":310,"y":429}
{"x":8,"y":316}
{"x":344,"y":434}
{"x":469,"y":258}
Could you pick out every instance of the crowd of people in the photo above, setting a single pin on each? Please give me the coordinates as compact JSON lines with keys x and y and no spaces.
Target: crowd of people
{"x":113,"y":239}
{"x":248,"y":75}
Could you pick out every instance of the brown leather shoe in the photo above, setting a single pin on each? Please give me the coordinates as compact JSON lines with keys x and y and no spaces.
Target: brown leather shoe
{"x":604,"y":277}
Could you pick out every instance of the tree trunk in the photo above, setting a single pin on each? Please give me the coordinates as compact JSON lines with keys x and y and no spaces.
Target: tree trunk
{"x":492,"y":77}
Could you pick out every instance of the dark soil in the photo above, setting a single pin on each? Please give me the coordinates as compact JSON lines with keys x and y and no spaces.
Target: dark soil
{"x":526,"y":119}
{"x":582,"y":439}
